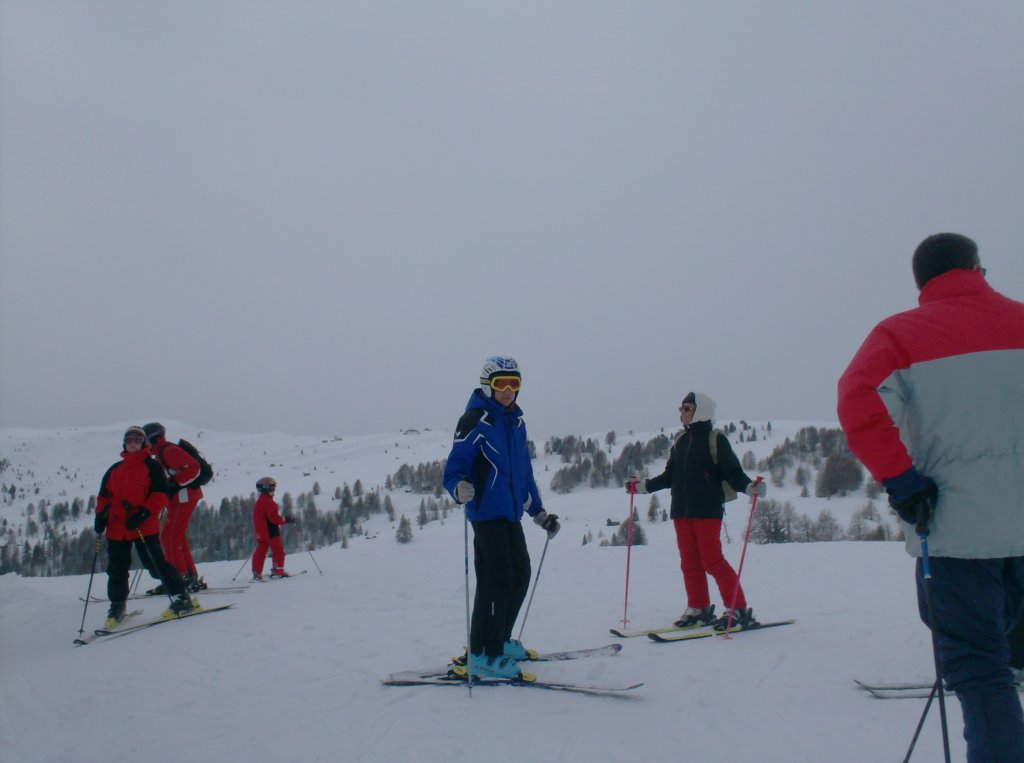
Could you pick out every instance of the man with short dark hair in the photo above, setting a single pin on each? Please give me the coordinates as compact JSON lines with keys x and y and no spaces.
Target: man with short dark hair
{"x":932,"y":404}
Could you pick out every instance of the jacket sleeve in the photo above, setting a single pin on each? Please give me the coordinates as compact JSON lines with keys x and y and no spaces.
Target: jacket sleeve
{"x":463,"y":453}
{"x":536,"y":502}
{"x":664,"y":479}
{"x":103,"y":497}
{"x":157,"y":499}
{"x":181,"y":467}
{"x":272,"y":514}
{"x":871,"y":432}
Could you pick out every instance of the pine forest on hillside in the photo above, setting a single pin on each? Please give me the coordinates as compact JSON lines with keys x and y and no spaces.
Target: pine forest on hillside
{"x":816,"y":459}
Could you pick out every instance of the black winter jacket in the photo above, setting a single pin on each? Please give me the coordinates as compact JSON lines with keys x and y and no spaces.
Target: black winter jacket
{"x":695,"y":480}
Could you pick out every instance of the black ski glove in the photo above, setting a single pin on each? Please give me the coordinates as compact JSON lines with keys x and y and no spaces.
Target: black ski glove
{"x":134,"y":520}
{"x":548,"y":523}
{"x":913,"y":497}
{"x":289,"y":520}
{"x":99,"y":524}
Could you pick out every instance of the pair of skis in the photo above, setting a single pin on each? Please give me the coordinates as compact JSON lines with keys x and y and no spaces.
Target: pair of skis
{"x":269,"y":578}
{"x":907,"y":690}
{"x":124,"y":629}
{"x":673,"y":633}
{"x":217,"y":590}
{"x":449,"y":676}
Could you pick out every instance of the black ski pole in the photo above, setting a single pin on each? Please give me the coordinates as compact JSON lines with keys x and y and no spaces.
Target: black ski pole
{"x":136,"y":577}
{"x":926,"y":574}
{"x":536,"y":580}
{"x":163,"y":580}
{"x":920,"y":723}
{"x":243,"y":566}
{"x":469,"y":637}
{"x":309,"y":546}
{"x":88,"y":592}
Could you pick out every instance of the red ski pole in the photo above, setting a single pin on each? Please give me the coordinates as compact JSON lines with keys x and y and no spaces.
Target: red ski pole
{"x":743,"y":555}
{"x":629,"y":551}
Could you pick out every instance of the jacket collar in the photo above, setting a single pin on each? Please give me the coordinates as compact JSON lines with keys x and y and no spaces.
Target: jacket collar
{"x":954,"y":283}
{"x":698,"y":427}
{"x":492,"y":406}
{"x":139,"y":455}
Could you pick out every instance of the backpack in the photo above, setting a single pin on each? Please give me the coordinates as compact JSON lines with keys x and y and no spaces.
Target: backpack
{"x":205,"y":469}
{"x":727,"y":489}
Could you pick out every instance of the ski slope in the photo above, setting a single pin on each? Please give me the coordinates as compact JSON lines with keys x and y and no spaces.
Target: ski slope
{"x":293,"y":671}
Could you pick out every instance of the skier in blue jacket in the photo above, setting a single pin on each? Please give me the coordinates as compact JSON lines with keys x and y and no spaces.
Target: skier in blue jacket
{"x":489,"y":472}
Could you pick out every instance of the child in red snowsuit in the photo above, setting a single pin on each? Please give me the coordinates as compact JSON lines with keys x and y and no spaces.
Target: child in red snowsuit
{"x":266,"y":521}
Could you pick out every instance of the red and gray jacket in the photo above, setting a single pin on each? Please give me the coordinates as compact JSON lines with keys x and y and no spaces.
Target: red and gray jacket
{"x":134,"y":482}
{"x":941,"y":387}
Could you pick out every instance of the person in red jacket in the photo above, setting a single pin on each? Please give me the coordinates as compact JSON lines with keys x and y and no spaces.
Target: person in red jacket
{"x":181,"y":469}
{"x":931,"y":404}
{"x":266,"y":521}
{"x":132,"y":493}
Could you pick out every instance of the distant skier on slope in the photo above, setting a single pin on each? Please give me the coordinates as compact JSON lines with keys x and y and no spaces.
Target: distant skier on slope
{"x":489,"y":471}
{"x":931,"y":404}
{"x":695,"y":475}
{"x":266,"y":522}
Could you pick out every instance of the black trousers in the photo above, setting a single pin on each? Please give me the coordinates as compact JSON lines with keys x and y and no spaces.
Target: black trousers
{"x":502,"y":566}
{"x":119,"y":563}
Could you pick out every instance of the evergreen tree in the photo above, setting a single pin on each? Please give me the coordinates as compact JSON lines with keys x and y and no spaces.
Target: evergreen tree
{"x":653,"y":507}
{"x":749,"y":461}
{"x":404,"y":532}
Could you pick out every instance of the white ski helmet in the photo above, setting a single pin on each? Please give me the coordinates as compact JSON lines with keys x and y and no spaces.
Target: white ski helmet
{"x":497,"y":365}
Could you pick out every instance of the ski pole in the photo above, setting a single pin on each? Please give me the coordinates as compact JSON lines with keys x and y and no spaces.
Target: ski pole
{"x":469,"y":643}
{"x":136,"y":577}
{"x":142,"y":545}
{"x":743,"y":555}
{"x":926,"y":574}
{"x":629,"y":551}
{"x":309,"y":547}
{"x":920,"y":723}
{"x":88,"y":592}
{"x":535,"y":581}
{"x":243,"y":566}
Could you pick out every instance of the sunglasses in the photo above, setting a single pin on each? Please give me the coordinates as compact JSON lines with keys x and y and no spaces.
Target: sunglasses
{"x":135,"y":438}
{"x":688,"y":408}
{"x":502,"y":383}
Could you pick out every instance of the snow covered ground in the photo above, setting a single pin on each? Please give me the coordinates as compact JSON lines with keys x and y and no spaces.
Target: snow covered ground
{"x":293,"y":671}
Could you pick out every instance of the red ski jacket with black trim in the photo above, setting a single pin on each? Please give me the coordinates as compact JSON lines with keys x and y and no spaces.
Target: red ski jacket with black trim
{"x":266,"y":520}
{"x":139,"y":481}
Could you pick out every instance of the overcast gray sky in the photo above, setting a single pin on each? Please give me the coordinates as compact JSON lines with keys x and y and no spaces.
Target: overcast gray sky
{"x":320,"y":217}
